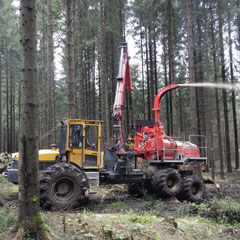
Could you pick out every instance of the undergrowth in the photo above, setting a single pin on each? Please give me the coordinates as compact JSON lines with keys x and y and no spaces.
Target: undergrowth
{"x":225,"y":210}
{"x":7,"y":218}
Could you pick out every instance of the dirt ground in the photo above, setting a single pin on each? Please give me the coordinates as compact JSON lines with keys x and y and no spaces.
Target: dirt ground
{"x":111,"y":213}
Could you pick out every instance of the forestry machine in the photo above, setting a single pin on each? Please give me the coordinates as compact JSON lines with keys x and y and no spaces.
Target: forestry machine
{"x":156,"y":165}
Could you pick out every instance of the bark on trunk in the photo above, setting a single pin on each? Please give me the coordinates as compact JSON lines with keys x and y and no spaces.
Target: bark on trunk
{"x":233,"y":98}
{"x":50,"y":73}
{"x":70,"y":62}
{"x":1,"y":148}
{"x":103,"y":73}
{"x":217,"y":102}
{"x":171,"y":63}
{"x":225,"y":104}
{"x":142,"y":74}
{"x":28,"y":197}
{"x":193,"y":106}
{"x":44,"y":125}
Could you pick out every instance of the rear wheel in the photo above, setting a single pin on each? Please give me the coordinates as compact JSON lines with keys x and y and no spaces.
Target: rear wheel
{"x":193,"y":188}
{"x":62,"y":186}
{"x":166,"y":182}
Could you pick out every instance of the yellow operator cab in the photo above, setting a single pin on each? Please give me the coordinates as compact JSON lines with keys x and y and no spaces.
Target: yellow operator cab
{"x":83,"y":143}
{"x":79,"y":144}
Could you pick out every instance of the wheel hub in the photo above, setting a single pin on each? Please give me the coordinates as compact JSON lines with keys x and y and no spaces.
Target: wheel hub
{"x":171,"y":183}
{"x":64,"y":189}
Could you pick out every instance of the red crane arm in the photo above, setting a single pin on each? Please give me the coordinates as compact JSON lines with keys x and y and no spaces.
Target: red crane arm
{"x":124,"y":75}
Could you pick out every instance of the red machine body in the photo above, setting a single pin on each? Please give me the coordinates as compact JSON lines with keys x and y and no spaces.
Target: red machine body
{"x":151,"y":142}
{"x":154,"y":144}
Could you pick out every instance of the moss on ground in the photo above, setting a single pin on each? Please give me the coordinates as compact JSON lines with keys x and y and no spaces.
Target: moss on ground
{"x":6,"y":187}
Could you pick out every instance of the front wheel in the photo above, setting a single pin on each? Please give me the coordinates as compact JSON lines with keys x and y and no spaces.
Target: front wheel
{"x":62,"y":186}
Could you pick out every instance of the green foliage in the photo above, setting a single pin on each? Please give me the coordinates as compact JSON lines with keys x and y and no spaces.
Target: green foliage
{"x":221,"y":210}
{"x":143,"y":219}
{"x":5,"y":159}
{"x":7,"y":218}
{"x":118,"y":205}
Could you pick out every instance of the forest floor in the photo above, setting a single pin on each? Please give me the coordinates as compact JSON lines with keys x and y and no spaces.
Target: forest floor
{"x":113,"y":213}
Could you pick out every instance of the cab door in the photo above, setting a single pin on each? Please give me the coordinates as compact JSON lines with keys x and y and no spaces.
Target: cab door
{"x":92,"y":146}
{"x":76,"y":144}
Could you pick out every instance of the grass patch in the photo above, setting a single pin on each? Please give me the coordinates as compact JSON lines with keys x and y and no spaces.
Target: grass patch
{"x":118,"y":205}
{"x":8,"y":217}
{"x":225,"y":211}
{"x":7,"y":187}
{"x":143,"y":219}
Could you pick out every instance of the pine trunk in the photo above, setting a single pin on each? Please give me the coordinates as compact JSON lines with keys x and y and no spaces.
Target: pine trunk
{"x":80,"y":61}
{"x":225,"y":104}
{"x":166,"y":83}
{"x":1,"y":147}
{"x":28,"y":198}
{"x":148,"y":80}
{"x":151,"y":72}
{"x":217,"y":101}
{"x":193,"y":103}
{"x":142,"y":74}
{"x":44,"y":125}
{"x":171,"y":63}
{"x":233,"y":98}
{"x":103,"y":73}
{"x":70,"y":63}
{"x":50,"y":72}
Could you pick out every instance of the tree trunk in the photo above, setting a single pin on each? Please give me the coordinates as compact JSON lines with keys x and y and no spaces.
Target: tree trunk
{"x":7,"y":106}
{"x":225,"y":104}
{"x":151,"y":72}
{"x":155,"y":63}
{"x":103,"y":73}
{"x":171,"y":61}
{"x":217,"y":101}
{"x":200,"y":78}
{"x":166,"y":83}
{"x":70,"y":63}
{"x":50,"y":73}
{"x":1,"y":147}
{"x":148,"y":80}
{"x":142,"y":74}
{"x":193,"y":104}
{"x":11,"y":142}
{"x":238,"y":22}
{"x":233,"y":98}
{"x":44,"y":125}
{"x":28,"y":198}
{"x":80,"y":61}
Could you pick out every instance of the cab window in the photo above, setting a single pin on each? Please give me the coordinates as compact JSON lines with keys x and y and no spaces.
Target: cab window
{"x":91,"y":139}
{"x":76,"y":136}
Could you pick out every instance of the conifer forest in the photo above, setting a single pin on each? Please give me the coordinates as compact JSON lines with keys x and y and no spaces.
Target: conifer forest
{"x":72,"y":73}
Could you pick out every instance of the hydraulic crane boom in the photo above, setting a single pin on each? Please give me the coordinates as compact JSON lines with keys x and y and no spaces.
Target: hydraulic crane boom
{"x":123,"y":76}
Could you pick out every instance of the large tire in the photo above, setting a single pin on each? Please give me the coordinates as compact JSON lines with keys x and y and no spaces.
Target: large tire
{"x":166,"y":182}
{"x":62,"y":186}
{"x":193,"y":189}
